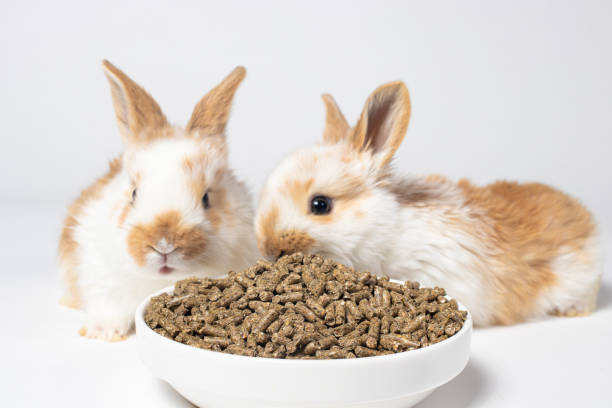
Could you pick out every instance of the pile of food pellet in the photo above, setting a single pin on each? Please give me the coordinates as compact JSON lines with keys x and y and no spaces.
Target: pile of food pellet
{"x":307,"y":307}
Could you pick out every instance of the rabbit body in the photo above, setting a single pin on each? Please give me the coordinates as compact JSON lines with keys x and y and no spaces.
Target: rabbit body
{"x":507,"y":251}
{"x":168,"y":208}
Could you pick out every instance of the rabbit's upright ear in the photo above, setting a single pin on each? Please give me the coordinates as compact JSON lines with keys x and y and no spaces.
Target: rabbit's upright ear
{"x":336,"y":127}
{"x":138,"y":115}
{"x":211,"y":114}
{"x":383,"y":122}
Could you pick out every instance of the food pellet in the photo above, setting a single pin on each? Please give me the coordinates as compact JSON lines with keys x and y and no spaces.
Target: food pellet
{"x":304,"y":306}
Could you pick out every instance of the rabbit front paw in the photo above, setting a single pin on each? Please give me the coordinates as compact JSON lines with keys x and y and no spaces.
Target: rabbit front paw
{"x":110,"y":331}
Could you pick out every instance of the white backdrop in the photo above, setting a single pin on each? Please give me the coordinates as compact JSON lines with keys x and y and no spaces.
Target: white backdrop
{"x":517,"y":90}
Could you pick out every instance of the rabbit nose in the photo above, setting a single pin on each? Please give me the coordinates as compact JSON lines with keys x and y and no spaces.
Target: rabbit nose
{"x":163,"y":247}
{"x":164,"y":252}
{"x":290,"y":241}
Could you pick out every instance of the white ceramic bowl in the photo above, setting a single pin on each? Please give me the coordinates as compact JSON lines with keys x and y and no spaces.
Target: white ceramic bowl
{"x":214,"y":380}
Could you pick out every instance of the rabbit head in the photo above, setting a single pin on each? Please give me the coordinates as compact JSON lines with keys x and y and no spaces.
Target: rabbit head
{"x":334,"y":198}
{"x":182,"y":209}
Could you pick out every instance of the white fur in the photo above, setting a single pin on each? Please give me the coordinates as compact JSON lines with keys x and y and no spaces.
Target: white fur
{"x":111,"y":284}
{"x":578,"y":276}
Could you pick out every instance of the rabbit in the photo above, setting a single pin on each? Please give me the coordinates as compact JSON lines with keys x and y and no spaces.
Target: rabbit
{"x":168,"y":208}
{"x":509,"y":252}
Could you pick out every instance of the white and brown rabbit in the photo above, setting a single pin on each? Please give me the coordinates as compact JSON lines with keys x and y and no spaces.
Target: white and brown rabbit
{"x":508,"y":251}
{"x":168,"y":208}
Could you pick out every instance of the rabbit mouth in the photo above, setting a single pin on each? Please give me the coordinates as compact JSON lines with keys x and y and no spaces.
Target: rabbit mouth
{"x":164,"y":270}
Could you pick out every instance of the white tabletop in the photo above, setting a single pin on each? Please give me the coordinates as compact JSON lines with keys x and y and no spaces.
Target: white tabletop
{"x":561,"y":362}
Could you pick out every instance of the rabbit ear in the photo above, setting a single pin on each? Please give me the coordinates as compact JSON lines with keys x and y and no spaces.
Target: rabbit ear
{"x":383,"y":122}
{"x":336,"y":127}
{"x":210,"y":115}
{"x":135,"y":109}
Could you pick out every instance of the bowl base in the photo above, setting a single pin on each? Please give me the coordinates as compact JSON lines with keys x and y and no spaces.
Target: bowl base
{"x":213,"y":401}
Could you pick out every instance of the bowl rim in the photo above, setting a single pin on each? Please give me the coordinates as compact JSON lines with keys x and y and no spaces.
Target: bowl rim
{"x":322,"y":363}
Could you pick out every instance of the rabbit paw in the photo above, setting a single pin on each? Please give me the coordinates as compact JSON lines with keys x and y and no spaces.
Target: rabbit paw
{"x":100,"y":333}
{"x":107,"y":332}
{"x":573,"y":312}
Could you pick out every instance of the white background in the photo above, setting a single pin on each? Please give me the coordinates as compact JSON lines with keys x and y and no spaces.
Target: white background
{"x":516,"y":90}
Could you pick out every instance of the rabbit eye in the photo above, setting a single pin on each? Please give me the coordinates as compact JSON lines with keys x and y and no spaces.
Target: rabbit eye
{"x":320,"y":205}
{"x":206,"y":200}
{"x":133,"y":195}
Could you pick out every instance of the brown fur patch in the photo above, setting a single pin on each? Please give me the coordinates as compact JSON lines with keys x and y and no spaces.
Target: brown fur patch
{"x":336,"y":126}
{"x":194,"y":167}
{"x":190,"y":241}
{"x":127,"y":207}
{"x":383,"y":122}
{"x":127,"y":204}
{"x":211,"y":114}
{"x":417,"y":192}
{"x":266,"y":230}
{"x":435,"y":178}
{"x":195,"y":162}
{"x":219,"y":209}
{"x":299,"y":192}
{"x":139,"y":117}
{"x":529,"y":223}
{"x":188,"y":164}
{"x":197,"y":186}
{"x":68,"y":245}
